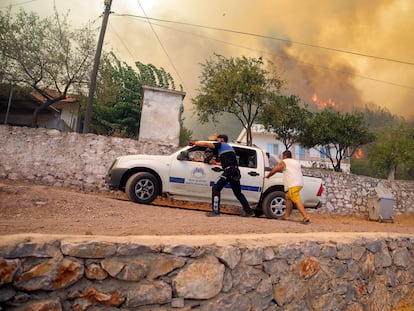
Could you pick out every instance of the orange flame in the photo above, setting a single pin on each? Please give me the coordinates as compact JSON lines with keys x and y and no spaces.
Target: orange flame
{"x":359,"y":154}
{"x":323,"y":104}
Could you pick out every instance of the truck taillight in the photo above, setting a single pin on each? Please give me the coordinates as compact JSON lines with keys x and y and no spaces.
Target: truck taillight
{"x":320,"y":191}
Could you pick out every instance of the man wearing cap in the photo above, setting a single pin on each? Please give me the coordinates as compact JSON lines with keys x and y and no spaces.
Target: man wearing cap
{"x":209,"y":157}
{"x":231,"y":174}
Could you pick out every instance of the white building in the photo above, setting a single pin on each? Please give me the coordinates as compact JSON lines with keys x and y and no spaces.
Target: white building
{"x":308,"y":157}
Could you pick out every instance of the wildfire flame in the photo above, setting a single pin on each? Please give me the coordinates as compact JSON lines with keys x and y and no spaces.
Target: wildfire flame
{"x":359,"y":154}
{"x":323,"y":104}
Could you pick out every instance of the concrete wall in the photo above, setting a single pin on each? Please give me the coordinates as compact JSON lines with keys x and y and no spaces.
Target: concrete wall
{"x":161,"y":115}
{"x":82,"y":160}
{"x":74,"y":273}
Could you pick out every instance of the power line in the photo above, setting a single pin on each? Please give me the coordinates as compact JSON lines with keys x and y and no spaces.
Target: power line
{"x":17,"y":4}
{"x":162,"y":46}
{"x":120,"y":39}
{"x":278,"y":39}
{"x":273,"y":54}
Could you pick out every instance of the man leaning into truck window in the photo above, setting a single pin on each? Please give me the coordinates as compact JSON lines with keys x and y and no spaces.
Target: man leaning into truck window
{"x":231,"y":174}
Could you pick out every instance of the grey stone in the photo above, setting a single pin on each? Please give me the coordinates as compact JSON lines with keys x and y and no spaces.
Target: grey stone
{"x":329,"y":250}
{"x":344,"y":251}
{"x":179,"y":250}
{"x":199,"y":280}
{"x":227,"y":281}
{"x":285,"y":252}
{"x":47,"y":304}
{"x":252,"y":257}
{"x":230,"y":302}
{"x":357,"y":252}
{"x":229,"y":255}
{"x":30,"y":249}
{"x":247,"y":278}
{"x":276,"y":267}
{"x":163,"y":264}
{"x":91,"y":249}
{"x":148,"y":293}
{"x":262,"y":296}
{"x":127,"y":269}
{"x":400,"y":257}
{"x":131,"y":249}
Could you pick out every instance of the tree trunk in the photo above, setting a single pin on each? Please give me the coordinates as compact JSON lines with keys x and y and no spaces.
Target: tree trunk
{"x":392,"y":173}
{"x":249,"y":141}
{"x":43,"y":106}
{"x":34,"y":117}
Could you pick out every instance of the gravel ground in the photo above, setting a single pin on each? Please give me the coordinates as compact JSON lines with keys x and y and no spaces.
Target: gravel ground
{"x":30,"y":208}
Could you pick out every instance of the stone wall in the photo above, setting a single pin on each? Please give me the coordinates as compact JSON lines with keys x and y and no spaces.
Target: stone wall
{"x":82,"y":160}
{"x":349,"y":193}
{"x":371,"y":273}
{"x":51,"y":157}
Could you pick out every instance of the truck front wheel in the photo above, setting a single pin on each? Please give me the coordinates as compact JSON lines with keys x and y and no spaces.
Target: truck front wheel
{"x":274,"y":204}
{"x":142,"y":188}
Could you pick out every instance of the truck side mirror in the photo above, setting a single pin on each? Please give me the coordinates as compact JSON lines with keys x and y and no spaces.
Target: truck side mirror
{"x":183,"y":156}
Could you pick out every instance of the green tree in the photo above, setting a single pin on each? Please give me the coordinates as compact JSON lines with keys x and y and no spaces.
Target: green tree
{"x":286,"y":118}
{"x":380,"y":118}
{"x":185,"y":135}
{"x":45,"y":55}
{"x":393,"y":151}
{"x":344,"y":132}
{"x":239,"y":86}
{"x":117,"y":110}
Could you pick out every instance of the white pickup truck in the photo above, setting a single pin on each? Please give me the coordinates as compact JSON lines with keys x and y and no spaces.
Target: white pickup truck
{"x":178,"y":176}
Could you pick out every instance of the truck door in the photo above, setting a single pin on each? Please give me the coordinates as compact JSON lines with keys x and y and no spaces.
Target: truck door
{"x":252,"y":170}
{"x":190,"y":178}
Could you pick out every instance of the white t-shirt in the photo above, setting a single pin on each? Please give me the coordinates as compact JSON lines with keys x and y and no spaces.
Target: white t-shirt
{"x":292,"y":174}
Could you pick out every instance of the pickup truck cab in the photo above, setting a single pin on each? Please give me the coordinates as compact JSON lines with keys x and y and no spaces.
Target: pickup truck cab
{"x":179,"y":176}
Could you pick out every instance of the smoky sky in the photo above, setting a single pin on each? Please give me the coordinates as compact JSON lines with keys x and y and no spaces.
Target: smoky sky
{"x":379,"y":28}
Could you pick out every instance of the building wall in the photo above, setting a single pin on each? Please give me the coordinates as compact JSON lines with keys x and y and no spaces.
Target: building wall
{"x":161,"y":115}
{"x":69,"y":113}
{"x":311,"y":157}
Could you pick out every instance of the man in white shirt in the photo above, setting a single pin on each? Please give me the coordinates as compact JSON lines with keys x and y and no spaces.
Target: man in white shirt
{"x":293,"y":180}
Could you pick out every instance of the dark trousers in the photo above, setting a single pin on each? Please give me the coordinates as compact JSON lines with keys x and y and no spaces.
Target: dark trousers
{"x":222,"y":181}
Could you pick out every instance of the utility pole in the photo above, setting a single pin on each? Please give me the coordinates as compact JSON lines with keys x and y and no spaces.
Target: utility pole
{"x":97,"y":60}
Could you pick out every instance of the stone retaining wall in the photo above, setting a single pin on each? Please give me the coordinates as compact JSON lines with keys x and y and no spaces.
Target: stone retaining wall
{"x":81,"y":160}
{"x":363,"y":273}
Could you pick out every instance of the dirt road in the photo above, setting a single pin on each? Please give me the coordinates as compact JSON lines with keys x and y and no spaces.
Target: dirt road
{"x":30,"y":208}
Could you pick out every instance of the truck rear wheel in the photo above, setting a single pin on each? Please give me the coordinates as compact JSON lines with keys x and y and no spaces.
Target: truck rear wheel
{"x":274,"y":204}
{"x":142,"y":188}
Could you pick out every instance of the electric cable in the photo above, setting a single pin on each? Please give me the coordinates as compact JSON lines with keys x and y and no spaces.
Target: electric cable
{"x":164,"y":49}
{"x":295,"y":59}
{"x":278,"y":39}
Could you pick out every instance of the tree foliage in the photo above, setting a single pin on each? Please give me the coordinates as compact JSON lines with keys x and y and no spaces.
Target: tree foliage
{"x":117,"y":110}
{"x":380,"y":118}
{"x":45,"y":55}
{"x":393,"y":151}
{"x":344,"y":132}
{"x":286,"y":118}
{"x":185,"y":135}
{"x":239,"y":86}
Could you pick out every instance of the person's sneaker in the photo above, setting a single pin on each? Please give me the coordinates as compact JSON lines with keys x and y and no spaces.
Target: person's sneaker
{"x":248,"y":214}
{"x":212,"y":214}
